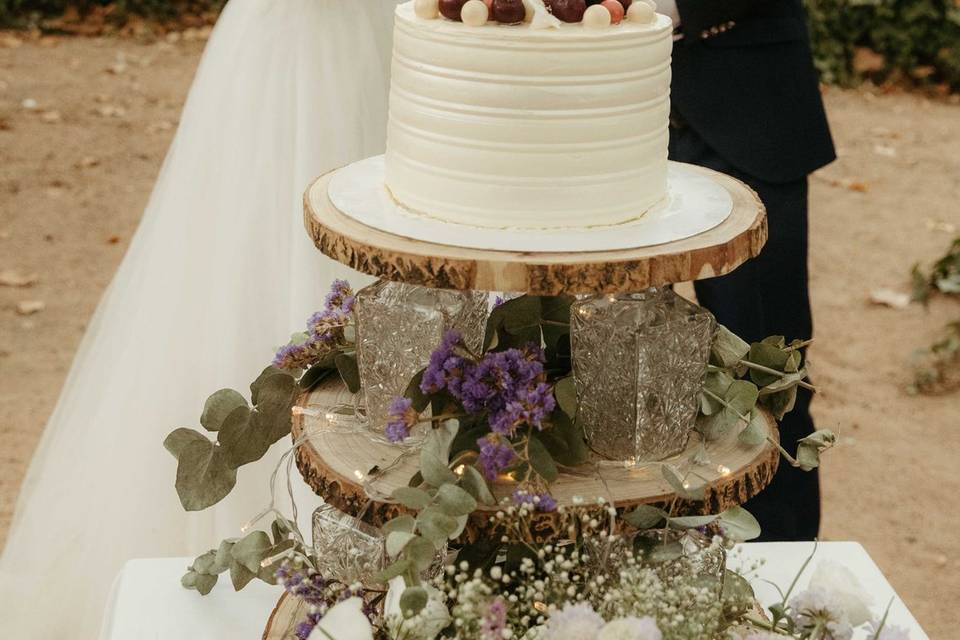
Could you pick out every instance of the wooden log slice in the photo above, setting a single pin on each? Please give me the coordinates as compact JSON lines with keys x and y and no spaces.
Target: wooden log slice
{"x":712,"y":253}
{"x":356,"y":471}
{"x":286,"y":615}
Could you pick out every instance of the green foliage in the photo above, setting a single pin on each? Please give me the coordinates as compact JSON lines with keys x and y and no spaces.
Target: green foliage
{"x":917,"y":39}
{"x":936,"y":367}
{"x":207,"y":470}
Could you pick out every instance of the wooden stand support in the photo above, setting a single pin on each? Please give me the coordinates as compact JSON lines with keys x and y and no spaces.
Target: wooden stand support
{"x":389,"y":256}
{"x":356,"y":472}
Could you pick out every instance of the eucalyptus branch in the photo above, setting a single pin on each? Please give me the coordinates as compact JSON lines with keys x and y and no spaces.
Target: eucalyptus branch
{"x":774,"y":372}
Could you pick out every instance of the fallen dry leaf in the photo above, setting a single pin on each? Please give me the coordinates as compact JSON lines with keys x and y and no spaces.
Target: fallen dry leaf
{"x":87,"y":162}
{"x":14,"y":278}
{"x":30,"y":307}
{"x":113,"y":239}
{"x":890,"y":298}
{"x":846,"y":183}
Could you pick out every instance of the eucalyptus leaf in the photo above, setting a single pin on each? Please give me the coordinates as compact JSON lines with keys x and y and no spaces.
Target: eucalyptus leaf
{"x":810,"y":448}
{"x":244,"y":438}
{"x":565,"y":391}
{"x":645,"y":516}
{"x":251,"y":550}
{"x":564,"y":440}
{"x":265,"y":376}
{"x":398,"y":568}
{"x":780,"y":404}
{"x":521,"y":313}
{"x":541,"y":461}
{"x":728,"y":348}
{"x":690,"y":522}
{"x":755,"y":433}
{"x":204,"y":583}
{"x":349,"y":371}
{"x":396,"y":541}
{"x":435,"y":454}
{"x":737,"y":590}
{"x":218,"y":406}
{"x":204,"y":475}
{"x":314,"y":376}
{"x":677,"y":483}
{"x":400,"y":523}
{"x":741,"y":397}
{"x":475,"y":484}
{"x":421,"y":553}
{"x":770,"y":354}
{"x":455,"y":501}
{"x":411,"y":498}
{"x":413,"y":600}
{"x":181,"y":438}
{"x":739,"y":524}
{"x":420,"y":400}
{"x":436,"y":526}
{"x":240,"y":576}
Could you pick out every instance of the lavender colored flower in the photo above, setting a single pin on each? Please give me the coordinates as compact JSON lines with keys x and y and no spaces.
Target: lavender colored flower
{"x":403,"y":417}
{"x":574,"y":622}
{"x":542,"y":502}
{"x":530,"y":406}
{"x":340,"y":291}
{"x":499,"y":377}
{"x":295,"y":355}
{"x":494,"y":620}
{"x":446,"y":368}
{"x":495,"y":456}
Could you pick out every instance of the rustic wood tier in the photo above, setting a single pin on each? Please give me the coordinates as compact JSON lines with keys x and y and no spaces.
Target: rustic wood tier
{"x":286,"y":615}
{"x":385,"y":255}
{"x":355,"y":471}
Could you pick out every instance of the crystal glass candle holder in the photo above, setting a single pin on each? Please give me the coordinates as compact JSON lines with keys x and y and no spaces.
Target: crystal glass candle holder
{"x":348,"y":549}
{"x":639,"y":362}
{"x":399,"y":326}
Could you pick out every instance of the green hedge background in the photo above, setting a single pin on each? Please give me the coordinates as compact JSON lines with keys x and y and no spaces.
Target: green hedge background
{"x":917,"y":41}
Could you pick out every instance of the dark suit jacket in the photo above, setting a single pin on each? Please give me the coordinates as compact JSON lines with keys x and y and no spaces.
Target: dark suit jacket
{"x":743,"y":79}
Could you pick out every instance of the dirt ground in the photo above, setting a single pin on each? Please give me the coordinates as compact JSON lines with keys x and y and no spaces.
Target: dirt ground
{"x":84,"y":124}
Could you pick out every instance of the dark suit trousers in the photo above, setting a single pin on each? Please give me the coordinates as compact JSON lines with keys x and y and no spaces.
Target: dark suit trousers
{"x":768,"y":296}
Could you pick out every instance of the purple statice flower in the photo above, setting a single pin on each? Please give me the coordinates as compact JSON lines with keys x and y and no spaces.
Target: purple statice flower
{"x":494,"y":620}
{"x":495,"y":456}
{"x":302,"y":582}
{"x":446,"y":368}
{"x":295,"y":355}
{"x":498,"y":301}
{"x":542,"y":502}
{"x":336,"y":300}
{"x":499,"y":376}
{"x":530,"y":406}
{"x":402,"y":418}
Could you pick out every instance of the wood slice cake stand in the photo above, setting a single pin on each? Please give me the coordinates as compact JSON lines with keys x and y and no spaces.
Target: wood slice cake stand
{"x":387,"y":255}
{"x":356,"y":472}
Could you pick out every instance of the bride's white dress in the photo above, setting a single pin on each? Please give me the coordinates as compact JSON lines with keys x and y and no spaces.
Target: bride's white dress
{"x":219,"y":272}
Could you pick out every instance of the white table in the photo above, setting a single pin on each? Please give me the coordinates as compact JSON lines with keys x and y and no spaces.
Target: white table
{"x":148,"y":602}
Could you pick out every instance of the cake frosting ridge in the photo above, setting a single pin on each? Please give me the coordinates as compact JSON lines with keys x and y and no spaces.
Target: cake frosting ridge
{"x":511,"y":126}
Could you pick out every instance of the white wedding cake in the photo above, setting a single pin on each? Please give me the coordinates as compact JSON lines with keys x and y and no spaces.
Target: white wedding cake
{"x":538,"y":124}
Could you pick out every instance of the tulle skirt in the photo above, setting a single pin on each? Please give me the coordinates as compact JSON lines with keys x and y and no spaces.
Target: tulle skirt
{"x":219,"y":273}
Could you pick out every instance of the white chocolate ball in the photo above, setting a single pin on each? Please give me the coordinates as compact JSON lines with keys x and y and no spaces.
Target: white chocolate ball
{"x":597,"y":17}
{"x":641,"y":13}
{"x":528,"y":8}
{"x":427,"y":9}
{"x":475,"y":13}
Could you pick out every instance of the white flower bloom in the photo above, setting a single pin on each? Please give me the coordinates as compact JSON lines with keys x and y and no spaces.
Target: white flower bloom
{"x":574,"y":622}
{"x":889,"y":632}
{"x":844,"y":590}
{"x":345,"y":621}
{"x":631,"y":629}
{"x":816,"y":608}
{"x":426,"y":625}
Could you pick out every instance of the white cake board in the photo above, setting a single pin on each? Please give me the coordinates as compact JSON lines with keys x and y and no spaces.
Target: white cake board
{"x":694,"y":204}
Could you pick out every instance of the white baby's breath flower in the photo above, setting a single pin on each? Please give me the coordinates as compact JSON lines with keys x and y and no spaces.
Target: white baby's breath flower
{"x":574,"y":622}
{"x":845,"y":590}
{"x":631,"y":629}
{"x":345,"y":621}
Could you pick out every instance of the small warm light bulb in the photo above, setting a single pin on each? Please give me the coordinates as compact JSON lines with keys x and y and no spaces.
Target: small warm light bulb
{"x":297,"y":411}
{"x":686,"y":485}
{"x":722,"y":470}
{"x":540,"y":606}
{"x":358,"y":474}
{"x":460,"y":470}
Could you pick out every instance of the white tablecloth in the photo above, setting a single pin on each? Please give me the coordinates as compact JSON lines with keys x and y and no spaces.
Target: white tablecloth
{"x":148,"y":602}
